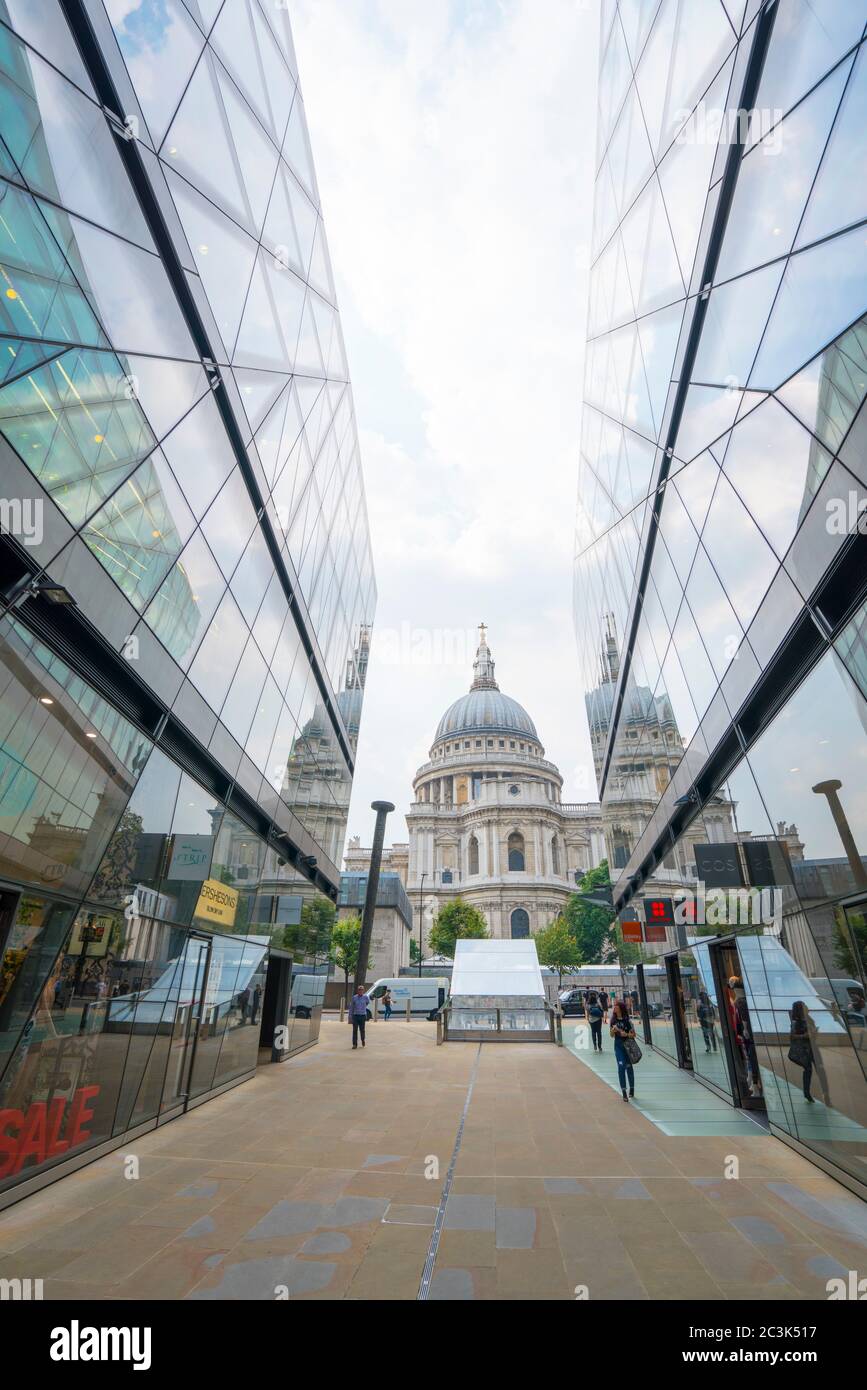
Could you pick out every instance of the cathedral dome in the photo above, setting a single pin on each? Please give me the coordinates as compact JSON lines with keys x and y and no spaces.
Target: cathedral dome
{"x":485,"y":709}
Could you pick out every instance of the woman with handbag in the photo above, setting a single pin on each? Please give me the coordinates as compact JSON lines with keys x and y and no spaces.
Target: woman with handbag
{"x":626,"y":1049}
{"x":804,"y":1050}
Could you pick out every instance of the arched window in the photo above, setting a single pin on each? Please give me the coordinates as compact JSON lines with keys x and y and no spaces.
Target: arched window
{"x":520,"y":925}
{"x":555,"y":855}
{"x":516,"y":852}
{"x":473,"y":855}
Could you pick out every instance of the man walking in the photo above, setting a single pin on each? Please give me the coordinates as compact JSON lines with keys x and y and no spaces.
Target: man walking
{"x":358,"y":1015}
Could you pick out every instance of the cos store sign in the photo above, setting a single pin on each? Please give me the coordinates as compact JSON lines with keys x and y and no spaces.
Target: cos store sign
{"x":35,"y":1133}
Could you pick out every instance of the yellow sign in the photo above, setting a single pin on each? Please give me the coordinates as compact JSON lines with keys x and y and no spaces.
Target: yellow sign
{"x":217,"y":903}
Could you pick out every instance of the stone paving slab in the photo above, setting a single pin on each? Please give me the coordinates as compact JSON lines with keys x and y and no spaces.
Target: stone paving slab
{"x":306,"y":1184}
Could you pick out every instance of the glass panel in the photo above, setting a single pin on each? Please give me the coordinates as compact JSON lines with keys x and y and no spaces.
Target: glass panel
{"x":215,"y":662}
{"x":736,"y":316}
{"x":183,"y":607}
{"x":161,"y":46}
{"x":822,"y":292}
{"x":140,"y":532}
{"x":774,"y":180}
{"x":808,"y":37}
{"x":77,"y":427}
{"x":837,"y":199}
{"x":68,"y":765}
{"x":778,"y":498}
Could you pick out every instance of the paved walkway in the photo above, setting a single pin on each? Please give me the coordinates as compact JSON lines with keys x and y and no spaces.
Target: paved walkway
{"x":323,"y":1177}
{"x":667,"y":1096}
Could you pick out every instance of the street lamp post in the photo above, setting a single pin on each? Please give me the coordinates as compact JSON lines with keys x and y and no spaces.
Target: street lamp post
{"x":382,"y":809}
{"x":421,"y":923}
{"x":829,"y":789}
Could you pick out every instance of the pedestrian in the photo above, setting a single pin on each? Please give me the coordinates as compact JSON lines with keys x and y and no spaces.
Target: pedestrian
{"x":386,"y":1005}
{"x":358,"y":1015}
{"x":621,"y":1030}
{"x":595,"y":1016}
{"x":804,"y":1049}
{"x":744,"y":1035}
{"x":704,"y":1009}
{"x":603,"y":1000}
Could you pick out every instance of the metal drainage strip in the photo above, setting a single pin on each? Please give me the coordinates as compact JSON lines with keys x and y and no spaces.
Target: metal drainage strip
{"x":427,"y":1273}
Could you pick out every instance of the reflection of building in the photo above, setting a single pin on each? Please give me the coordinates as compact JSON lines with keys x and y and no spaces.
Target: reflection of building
{"x":395,"y":858}
{"x":185,"y":618}
{"x":487,"y":822}
{"x":316,"y":776}
{"x":392,"y":920}
{"x":723,"y":429}
{"x":649,"y":744}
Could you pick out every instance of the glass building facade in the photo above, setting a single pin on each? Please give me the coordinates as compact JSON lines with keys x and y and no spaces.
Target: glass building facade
{"x":720,"y":586}
{"x":186,"y":585}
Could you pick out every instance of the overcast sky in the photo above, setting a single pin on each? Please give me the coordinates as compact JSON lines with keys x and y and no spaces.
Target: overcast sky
{"x":454,"y":147}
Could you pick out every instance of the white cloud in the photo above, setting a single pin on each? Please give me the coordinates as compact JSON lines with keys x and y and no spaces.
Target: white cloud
{"x":454,"y":149}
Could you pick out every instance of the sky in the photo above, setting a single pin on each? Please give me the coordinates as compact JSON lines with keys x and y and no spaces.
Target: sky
{"x":454,"y":143}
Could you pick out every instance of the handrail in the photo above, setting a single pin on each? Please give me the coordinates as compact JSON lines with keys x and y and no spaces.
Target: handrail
{"x":555,"y":1021}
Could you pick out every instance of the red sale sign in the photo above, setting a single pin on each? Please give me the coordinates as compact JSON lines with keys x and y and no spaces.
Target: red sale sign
{"x":35,"y":1133}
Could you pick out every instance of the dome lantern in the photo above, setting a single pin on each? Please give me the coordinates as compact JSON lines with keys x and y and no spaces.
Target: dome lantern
{"x":485,"y":710}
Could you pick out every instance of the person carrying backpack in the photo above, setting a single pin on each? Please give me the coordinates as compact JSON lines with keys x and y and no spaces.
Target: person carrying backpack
{"x":386,"y":1004}
{"x":595,"y":1015}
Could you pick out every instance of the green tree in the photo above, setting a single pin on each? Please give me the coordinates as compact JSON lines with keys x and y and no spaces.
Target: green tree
{"x":589,"y":925}
{"x":850,"y":952}
{"x":415,"y":954}
{"x":457,"y":921}
{"x":557,"y":947}
{"x":343,"y":950}
{"x":310,"y":938}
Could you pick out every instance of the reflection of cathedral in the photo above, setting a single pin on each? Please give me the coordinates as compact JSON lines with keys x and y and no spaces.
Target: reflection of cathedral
{"x":487,"y":822}
{"x":648,"y":749}
{"x":316,"y":783}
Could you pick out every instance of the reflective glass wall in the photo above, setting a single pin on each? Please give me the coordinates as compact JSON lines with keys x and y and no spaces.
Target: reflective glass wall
{"x":722,"y":487}
{"x":179,"y":466}
{"x":134,"y":954}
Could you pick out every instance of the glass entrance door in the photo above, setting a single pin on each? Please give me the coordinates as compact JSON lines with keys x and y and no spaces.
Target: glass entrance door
{"x":678,"y":1012}
{"x":737,"y":1027}
{"x":183,"y":1016}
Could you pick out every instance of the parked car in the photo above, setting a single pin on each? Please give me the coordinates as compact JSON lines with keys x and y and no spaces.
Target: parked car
{"x":572,"y":1003}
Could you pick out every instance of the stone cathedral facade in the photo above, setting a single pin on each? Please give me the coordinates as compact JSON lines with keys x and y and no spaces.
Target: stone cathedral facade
{"x":487,"y":821}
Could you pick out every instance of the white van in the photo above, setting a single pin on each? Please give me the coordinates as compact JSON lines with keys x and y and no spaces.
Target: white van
{"x":426,"y":993}
{"x":308,"y":993}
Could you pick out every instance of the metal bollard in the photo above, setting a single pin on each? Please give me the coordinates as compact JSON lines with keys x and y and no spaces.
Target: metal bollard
{"x":439,"y":1029}
{"x":342,"y":1009}
{"x":375,"y":1010}
{"x":408,"y":1009}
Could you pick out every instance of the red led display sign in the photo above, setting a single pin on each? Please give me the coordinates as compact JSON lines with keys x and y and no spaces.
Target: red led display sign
{"x":658,"y":912}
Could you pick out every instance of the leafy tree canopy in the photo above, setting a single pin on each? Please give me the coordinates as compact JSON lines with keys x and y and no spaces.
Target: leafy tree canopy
{"x":589,"y":925}
{"x":457,"y":920}
{"x":557,"y":947}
